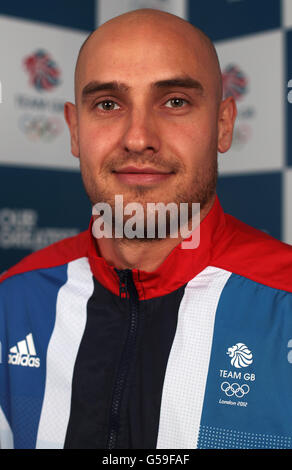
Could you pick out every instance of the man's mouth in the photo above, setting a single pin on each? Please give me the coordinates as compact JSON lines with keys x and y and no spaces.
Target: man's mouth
{"x":141,"y":176}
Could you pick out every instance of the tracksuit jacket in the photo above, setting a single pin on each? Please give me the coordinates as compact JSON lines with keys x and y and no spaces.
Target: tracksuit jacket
{"x":196,"y":354}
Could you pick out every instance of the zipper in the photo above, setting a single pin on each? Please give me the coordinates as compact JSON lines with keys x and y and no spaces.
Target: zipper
{"x":128,"y":292}
{"x":123,"y":280}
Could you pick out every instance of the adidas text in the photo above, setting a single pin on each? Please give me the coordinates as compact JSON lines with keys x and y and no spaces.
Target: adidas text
{"x":19,"y":360}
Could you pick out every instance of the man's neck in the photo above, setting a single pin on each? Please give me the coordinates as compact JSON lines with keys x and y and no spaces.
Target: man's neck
{"x":144,"y":255}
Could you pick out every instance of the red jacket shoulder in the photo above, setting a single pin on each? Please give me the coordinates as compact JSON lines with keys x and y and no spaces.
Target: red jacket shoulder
{"x":254,"y":254}
{"x":58,"y":253}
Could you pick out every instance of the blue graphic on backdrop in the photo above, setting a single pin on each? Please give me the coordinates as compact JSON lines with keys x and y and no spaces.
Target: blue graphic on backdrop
{"x":70,"y":13}
{"x":38,"y":207}
{"x":222,"y":19}
{"x":255,"y":199}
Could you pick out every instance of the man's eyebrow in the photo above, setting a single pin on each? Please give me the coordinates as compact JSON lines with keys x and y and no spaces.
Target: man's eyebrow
{"x":95,"y":86}
{"x":181,"y":82}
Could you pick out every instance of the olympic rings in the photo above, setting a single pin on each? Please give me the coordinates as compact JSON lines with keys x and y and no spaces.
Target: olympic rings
{"x":234,"y":389}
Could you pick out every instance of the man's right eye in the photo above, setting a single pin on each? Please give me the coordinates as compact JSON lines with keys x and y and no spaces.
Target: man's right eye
{"x":107,"y":105}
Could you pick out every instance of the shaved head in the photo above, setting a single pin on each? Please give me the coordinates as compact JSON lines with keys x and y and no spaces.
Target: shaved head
{"x":149,"y":21}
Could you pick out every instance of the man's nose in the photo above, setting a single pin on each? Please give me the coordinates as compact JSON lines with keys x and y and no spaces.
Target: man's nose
{"x":141,"y":132}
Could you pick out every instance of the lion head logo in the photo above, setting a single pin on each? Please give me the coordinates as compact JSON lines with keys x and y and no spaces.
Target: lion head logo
{"x":240,"y":355}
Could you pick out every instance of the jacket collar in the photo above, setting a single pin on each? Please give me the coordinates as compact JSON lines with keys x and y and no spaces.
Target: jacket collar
{"x":180,"y":266}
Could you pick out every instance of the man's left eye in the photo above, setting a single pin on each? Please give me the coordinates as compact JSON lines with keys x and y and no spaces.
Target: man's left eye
{"x":175,"y":103}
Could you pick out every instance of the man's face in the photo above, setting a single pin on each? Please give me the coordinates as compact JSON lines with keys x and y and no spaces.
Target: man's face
{"x":147,"y":117}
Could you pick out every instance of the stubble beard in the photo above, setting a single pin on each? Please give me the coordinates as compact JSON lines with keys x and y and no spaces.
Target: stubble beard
{"x":201,"y":189}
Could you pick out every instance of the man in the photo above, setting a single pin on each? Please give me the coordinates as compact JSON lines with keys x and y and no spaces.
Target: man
{"x":138,"y":343}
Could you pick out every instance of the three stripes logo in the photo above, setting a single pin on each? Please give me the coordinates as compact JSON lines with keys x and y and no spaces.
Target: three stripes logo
{"x":24,"y":353}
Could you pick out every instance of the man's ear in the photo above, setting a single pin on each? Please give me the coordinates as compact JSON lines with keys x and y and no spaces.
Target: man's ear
{"x":70,"y":113}
{"x":226,"y":119}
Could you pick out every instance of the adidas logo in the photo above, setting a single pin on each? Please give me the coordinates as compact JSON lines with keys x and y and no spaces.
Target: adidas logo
{"x":24,"y":353}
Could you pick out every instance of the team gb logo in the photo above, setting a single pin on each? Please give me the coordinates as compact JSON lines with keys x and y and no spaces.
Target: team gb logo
{"x":240,"y":355}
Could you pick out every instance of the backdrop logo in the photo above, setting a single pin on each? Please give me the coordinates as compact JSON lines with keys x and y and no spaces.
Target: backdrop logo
{"x":241,"y":135}
{"x":234,"y":82}
{"x":40,"y":128}
{"x":240,"y":355}
{"x":43,"y":72}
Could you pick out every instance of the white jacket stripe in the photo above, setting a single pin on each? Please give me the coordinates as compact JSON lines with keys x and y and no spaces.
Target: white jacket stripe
{"x":187,"y":368}
{"x":71,"y":314}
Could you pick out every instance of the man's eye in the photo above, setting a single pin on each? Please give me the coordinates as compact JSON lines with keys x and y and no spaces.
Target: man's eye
{"x":175,"y":103}
{"x":107,"y":105}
